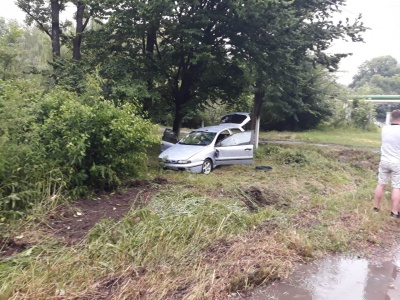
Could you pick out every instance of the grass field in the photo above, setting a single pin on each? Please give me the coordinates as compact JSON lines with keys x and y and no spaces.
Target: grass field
{"x":208,"y":236}
{"x":354,"y":137}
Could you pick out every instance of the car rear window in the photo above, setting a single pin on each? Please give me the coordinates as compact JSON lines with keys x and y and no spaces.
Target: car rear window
{"x":233,"y":118}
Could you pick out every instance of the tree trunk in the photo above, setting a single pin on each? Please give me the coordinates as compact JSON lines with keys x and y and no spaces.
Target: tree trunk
{"x":151,"y":39}
{"x":183,"y":95}
{"x":177,"y":122}
{"x":55,"y":28}
{"x":80,"y":27}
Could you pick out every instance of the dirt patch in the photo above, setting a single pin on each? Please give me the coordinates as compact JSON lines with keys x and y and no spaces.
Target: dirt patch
{"x":308,"y":218}
{"x":358,"y":158}
{"x":71,"y":223}
{"x":12,"y":246}
{"x":256,"y":198}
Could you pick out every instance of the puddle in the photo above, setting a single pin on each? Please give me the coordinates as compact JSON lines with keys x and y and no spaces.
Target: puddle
{"x":340,"y":278}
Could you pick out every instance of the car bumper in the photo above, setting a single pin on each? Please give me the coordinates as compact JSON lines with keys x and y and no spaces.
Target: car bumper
{"x":192,"y":167}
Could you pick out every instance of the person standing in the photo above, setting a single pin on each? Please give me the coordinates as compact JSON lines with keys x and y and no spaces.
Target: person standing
{"x":389,"y":166}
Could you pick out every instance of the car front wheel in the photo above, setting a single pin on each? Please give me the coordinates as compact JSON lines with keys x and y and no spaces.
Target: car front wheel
{"x":207,"y":166}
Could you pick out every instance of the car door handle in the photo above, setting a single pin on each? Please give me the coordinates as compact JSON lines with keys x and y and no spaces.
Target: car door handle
{"x":247,"y":149}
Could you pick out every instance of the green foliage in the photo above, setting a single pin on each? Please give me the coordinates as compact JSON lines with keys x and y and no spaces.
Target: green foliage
{"x":363,"y":115}
{"x":310,"y":97}
{"x":378,"y":73}
{"x":23,"y":51}
{"x":197,"y":233}
{"x":59,"y":141}
{"x":25,"y":175}
{"x":10,"y":47}
{"x":181,"y":52}
{"x":378,"y":76}
{"x":97,"y":143}
{"x":289,"y":157}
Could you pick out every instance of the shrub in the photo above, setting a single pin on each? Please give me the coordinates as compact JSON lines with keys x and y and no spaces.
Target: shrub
{"x":60,"y":141}
{"x":23,"y":169}
{"x":96,"y":143}
{"x":290,"y":157}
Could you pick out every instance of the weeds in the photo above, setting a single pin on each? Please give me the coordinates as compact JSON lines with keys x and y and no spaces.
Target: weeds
{"x":202,"y":237}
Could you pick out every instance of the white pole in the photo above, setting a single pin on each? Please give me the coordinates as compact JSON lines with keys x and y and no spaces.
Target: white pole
{"x":256,"y":132}
{"x":388,"y":116}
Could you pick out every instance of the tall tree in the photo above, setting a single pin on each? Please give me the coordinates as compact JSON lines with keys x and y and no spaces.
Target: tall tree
{"x":384,"y":66}
{"x":82,"y":20}
{"x":182,"y":47}
{"x":194,"y":52}
{"x":46,"y":15}
{"x":284,"y":35}
{"x":11,"y":35}
{"x":304,"y":103}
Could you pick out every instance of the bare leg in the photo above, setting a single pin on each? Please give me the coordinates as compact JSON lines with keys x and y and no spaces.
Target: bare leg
{"x":395,"y":200}
{"x":378,"y":195}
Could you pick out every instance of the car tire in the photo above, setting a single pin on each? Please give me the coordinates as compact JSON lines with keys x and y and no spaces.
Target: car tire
{"x":207,"y":166}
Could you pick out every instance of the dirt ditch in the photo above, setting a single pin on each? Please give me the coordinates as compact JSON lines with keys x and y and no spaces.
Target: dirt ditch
{"x":71,"y":223}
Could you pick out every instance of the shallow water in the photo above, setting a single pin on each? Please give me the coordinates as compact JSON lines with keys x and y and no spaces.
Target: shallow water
{"x":338,"y":278}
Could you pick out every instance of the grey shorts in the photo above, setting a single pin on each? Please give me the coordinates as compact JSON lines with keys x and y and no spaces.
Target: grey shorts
{"x":387,"y":170}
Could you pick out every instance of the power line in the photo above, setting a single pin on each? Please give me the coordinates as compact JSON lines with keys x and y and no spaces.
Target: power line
{"x":343,"y":8}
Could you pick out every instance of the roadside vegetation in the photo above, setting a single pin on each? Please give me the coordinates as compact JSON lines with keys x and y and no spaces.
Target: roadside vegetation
{"x":340,"y":136}
{"x":86,"y":212}
{"x":208,"y":236}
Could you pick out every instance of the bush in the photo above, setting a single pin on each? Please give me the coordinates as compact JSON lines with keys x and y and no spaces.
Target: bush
{"x":290,"y":157}
{"x":95,"y":142}
{"x":59,"y":141}
{"x":22,"y":165}
{"x":363,"y":115}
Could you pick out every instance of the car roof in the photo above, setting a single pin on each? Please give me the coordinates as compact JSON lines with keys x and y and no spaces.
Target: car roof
{"x":228,"y":117}
{"x":220,"y":127}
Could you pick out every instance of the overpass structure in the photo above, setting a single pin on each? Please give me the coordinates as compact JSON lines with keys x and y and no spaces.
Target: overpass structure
{"x":380,"y":99}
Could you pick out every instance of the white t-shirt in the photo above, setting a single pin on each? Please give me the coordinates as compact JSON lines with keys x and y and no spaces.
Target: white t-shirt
{"x":390,"y":149}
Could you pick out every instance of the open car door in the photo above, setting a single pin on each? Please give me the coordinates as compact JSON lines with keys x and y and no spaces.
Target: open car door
{"x":169,"y":139}
{"x":235,"y":149}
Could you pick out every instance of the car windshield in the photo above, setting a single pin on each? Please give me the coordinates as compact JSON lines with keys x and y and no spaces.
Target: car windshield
{"x":200,"y":138}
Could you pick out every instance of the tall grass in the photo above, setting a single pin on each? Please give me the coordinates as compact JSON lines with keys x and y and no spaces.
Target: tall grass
{"x":198,"y":238}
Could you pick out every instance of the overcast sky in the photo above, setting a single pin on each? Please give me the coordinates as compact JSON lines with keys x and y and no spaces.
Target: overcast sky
{"x":382,"y":39}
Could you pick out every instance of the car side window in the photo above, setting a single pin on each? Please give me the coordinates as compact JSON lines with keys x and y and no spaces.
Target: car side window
{"x":241,"y":138}
{"x":223,"y":135}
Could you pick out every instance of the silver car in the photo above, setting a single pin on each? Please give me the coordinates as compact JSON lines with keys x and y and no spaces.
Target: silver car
{"x":205,"y":148}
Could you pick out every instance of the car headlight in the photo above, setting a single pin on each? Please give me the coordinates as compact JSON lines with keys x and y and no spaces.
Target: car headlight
{"x":183,"y":161}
